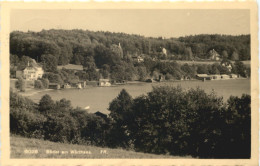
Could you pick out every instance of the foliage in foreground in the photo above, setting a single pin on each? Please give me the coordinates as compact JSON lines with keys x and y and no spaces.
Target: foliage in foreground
{"x":19,"y":144}
{"x":168,"y":120}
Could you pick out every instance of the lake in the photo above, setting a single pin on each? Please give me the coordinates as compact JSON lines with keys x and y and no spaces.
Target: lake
{"x":98,"y":98}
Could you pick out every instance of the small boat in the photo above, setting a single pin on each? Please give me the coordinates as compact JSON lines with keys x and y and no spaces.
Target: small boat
{"x":87,"y":108}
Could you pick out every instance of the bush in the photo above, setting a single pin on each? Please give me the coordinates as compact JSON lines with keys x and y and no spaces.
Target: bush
{"x":45,"y":83}
{"x":20,"y":84}
{"x":168,"y":76}
{"x":60,"y":128}
{"x":38,"y":84}
{"x":24,"y":117}
{"x":26,"y":123}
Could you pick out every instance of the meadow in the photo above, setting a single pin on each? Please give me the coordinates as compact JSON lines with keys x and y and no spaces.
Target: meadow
{"x":20,"y":147}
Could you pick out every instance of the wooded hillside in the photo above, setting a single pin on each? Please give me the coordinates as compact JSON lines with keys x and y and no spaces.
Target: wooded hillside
{"x":73,"y":46}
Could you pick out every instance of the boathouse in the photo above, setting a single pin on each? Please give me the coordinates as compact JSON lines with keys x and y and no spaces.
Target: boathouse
{"x":203,"y":77}
{"x":54,"y":86}
{"x":224,"y":76}
{"x":104,"y":82}
{"x":233,"y":76}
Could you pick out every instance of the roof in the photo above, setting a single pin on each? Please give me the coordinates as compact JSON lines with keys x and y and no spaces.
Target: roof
{"x":202,"y":75}
{"x":100,"y":114}
{"x":30,"y":68}
{"x":107,"y":80}
{"x":33,"y":65}
{"x":71,"y":67}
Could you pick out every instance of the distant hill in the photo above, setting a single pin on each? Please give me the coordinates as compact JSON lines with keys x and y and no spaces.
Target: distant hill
{"x":19,"y":145}
{"x":73,"y":46}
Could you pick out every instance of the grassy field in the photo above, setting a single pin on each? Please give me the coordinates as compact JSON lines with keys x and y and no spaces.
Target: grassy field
{"x":246,"y":63}
{"x":25,"y":148}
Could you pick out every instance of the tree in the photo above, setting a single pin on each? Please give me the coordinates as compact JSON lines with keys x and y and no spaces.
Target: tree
{"x":23,"y":63}
{"x":14,"y":60}
{"x":188,"y":54}
{"x":45,"y":83}
{"x":224,"y":55}
{"x":46,"y":104}
{"x":236,"y":129}
{"x":240,"y":68}
{"x":20,"y":84}
{"x":77,"y":59}
{"x":38,"y":84}
{"x":53,"y":78}
{"x":189,"y":70}
{"x":234,"y":56}
{"x":120,"y":110}
{"x":213,"y":69}
{"x":142,"y":73}
{"x":117,"y":50}
{"x":90,"y":68}
{"x":202,"y":69}
{"x":49,"y":63}
{"x":105,"y":71}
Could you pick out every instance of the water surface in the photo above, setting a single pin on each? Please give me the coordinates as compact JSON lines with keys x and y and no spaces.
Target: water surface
{"x":98,"y":98}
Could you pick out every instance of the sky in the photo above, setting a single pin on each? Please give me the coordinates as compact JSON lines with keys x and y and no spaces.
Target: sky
{"x":146,"y":22}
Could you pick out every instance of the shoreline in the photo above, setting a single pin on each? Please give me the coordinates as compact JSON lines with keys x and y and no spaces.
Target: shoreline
{"x":32,"y":91}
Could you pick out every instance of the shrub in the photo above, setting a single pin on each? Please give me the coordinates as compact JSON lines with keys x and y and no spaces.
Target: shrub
{"x":20,"y":84}
{"x":168,"y":76}
{"x":38,"y":84}
{"x":45,"y":83}
{"x":24,"y":117}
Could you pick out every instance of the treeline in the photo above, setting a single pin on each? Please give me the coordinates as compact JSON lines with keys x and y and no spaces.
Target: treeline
{"x":168,"y":120}
{"x":128,"y":71}
{"x":74,"y":46}
{"x":103,"y":57}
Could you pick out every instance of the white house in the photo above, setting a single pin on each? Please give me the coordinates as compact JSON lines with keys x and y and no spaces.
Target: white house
{"x":33,"y":72}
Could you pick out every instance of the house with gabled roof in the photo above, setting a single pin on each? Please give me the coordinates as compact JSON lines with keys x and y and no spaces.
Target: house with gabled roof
{"x":33,"y":71}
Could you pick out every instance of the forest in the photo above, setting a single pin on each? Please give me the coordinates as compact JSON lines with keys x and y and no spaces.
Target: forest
{"x":73,"y":46}
{"x":111,"y":55}
{"x":167,"y":120}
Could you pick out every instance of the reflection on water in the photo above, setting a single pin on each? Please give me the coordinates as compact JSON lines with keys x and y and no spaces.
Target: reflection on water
{"x":98,"y":98}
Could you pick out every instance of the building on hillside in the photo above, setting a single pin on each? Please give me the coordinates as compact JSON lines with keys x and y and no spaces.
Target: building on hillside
{"x":233,"y":76}
{"x":204,"y":77}
{"x":227,"y":64}
{"x":138,"y":59}
{"x":54,"y":86}
{"x":216,"y":77}
{"x":83,"y":84}
{"x":213,"y":55}
{"x":104,"y":82}
{"x":32,"y":72}
{"x":224,"y":76}
{"x":66,"y":86}
{"x":100,"y":114}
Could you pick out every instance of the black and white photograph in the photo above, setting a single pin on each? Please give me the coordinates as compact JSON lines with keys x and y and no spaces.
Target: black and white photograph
{"x":130,"y":83}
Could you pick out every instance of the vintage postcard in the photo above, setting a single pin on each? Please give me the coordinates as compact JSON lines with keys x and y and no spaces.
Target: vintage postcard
{"x":127,"y":83}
